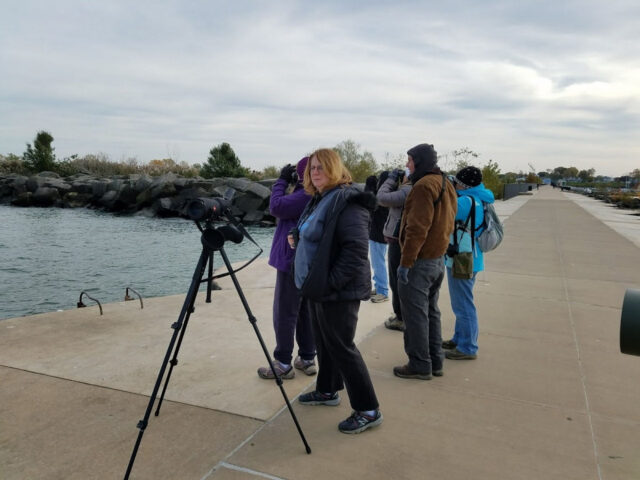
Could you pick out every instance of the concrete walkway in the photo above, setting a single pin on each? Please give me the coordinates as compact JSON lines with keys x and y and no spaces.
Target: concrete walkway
{"x":549,"y":397}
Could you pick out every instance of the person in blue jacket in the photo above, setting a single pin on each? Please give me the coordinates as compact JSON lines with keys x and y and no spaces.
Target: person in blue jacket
{"x":332,"y":271}
{"x":290,"y":313}
{"x":464,"y":344}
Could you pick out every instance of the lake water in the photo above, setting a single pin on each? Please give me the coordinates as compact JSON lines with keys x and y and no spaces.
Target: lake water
{"x":48,"y":256}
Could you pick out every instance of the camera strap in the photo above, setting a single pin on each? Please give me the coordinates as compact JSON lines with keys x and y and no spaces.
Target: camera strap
{"x":465,"y":226}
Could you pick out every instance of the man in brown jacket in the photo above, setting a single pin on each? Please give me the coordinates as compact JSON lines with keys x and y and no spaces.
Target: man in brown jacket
{"x":427,"y":222}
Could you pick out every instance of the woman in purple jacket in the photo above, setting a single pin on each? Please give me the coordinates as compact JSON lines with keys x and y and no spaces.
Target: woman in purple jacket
{"x":290,"y":314}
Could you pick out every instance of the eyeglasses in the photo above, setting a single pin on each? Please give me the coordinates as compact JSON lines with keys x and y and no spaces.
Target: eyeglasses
{"x":315,"y":168}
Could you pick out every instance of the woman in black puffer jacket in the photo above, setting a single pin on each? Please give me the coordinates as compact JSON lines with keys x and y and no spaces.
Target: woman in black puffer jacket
{"x":332,"y":271}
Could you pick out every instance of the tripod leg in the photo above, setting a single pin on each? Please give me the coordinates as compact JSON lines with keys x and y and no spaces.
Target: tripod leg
{"x":253,"y":321}
{"x":174,"y":361}
{"x":177,"y":326}
{"x":210,"y":281}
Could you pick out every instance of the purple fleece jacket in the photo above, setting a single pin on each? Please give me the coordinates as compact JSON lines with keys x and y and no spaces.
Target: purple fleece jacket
{"x":287,"y":209}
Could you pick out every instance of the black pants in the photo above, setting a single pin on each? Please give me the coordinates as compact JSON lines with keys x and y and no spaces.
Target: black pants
{"x":393,"y":259}
{"x":340,"y":362}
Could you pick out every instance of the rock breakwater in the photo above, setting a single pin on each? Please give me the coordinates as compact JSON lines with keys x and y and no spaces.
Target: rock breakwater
{"x":164,"y":196}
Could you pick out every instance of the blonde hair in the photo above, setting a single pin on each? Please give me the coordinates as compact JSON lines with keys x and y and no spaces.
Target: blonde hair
{"x":332,"y":167}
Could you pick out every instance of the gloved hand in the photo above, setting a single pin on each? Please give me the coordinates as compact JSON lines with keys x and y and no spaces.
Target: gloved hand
{"x":395,"y":174}
{"x":403,"y":275}
{"x":287,"y":172}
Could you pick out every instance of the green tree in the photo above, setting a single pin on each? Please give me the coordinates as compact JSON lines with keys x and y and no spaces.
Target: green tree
{"x":270,"y":172}
{"x":40,"y":157}
{"x":509,"y":177}
{"x":463,"y":157}
{"x":587,"y":175}
{"x":558,"y":173}
{"x":532,"y":178}
{"x":571,"y":172}
{"x":360,"y":164}
{"x":491,"y":178}
{"x":391,"y":162}
{"x":223,"y":162}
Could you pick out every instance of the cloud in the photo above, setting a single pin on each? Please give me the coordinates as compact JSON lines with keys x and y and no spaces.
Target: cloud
{"x":152,"y":79}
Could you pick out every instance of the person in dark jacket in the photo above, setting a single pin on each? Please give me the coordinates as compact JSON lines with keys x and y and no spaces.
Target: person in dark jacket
{"x":332,"y":271}
{"x":377,"y":243}
{"x":392,"y":194}
{"x":290,"y":314}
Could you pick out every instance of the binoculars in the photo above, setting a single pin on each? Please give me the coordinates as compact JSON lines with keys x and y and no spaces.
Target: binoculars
{"x":630,"y":323}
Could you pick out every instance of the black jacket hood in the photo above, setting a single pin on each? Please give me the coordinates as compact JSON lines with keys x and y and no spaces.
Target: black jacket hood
{"x":365,"y":199}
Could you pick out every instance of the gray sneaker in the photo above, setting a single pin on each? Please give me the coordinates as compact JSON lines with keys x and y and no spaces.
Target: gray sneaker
{"x":392,"y":323}
{"x":379,"y":298}
{"x":308,"y":367}
{"x":267,"y":373}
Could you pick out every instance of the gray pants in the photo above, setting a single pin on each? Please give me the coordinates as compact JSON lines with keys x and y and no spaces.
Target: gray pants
{"x":421,"y":315}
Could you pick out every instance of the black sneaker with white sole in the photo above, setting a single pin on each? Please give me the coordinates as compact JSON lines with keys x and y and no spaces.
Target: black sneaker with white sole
{"x":359,"y":422}
{"x":319,"y":398}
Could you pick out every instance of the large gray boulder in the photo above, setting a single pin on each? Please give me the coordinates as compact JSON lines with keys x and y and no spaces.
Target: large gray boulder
{"x":99,"y":188}
{"x":249,"y":203}
{"x":45,"y":196}
{"x":83,"y":185}
{"x":108,"y":200}
{"x":76,"y":199}
{"x":13,"y":185}
{"x":245,"y":185}
{"x":142,"y":183}
{"x":24,"y":199}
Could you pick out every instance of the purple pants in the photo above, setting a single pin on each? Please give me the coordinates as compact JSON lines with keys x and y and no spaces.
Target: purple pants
{"x":291,"y":319}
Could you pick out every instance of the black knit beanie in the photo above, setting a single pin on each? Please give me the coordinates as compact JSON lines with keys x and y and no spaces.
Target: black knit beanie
{"x":469,"y":177}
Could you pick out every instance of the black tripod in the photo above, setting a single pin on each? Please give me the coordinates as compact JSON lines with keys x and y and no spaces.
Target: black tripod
{"x":212,"y":240}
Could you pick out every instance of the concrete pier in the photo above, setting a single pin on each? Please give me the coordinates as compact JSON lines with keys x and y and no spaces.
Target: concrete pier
{"x":550,"y":396}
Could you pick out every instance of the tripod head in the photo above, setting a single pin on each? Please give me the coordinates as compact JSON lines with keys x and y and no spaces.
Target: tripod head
{"x":212,"y":209}
{"x":214,"y":237}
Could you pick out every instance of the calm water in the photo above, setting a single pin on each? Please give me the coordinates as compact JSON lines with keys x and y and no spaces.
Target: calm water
{"x":49,"y":255}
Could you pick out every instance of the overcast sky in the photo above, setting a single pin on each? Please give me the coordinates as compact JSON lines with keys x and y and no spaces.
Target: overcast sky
{"x":546,"y":83}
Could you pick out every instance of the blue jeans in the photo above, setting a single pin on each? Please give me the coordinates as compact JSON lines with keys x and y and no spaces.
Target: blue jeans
{"x":466,"y":330}
{"x":377,"y":252}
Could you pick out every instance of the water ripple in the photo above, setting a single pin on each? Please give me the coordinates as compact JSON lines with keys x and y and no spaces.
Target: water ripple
{"x":50,"y":255}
